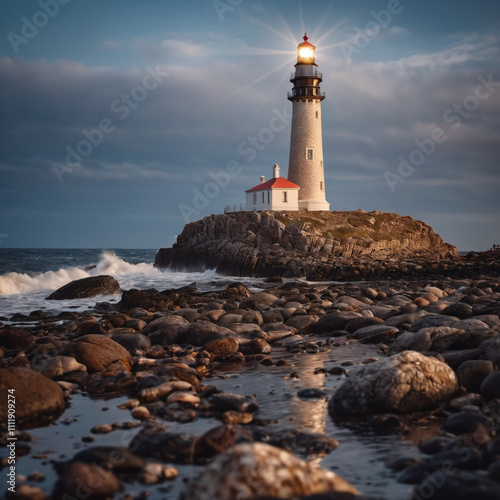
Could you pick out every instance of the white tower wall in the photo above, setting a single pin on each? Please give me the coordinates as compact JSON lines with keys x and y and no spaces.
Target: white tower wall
{"x":305,"y":166}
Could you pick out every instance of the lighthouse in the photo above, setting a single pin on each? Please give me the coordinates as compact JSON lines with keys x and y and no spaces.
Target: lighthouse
{"x":305,"y":167}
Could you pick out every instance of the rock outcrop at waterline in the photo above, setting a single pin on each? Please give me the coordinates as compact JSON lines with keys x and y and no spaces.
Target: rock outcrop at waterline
{"x":316,"y":245}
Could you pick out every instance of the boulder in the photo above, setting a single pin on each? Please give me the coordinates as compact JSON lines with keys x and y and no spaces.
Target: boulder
{"x":405,"y":382}
{"x":253,"y":470}
{"x":16,"y":338}
{"x":87,"y":287}
{"x":81,"y":480}
{"x":434,"y":338}
{"x":203,"y":332}
{"x":333,"y":321}
{"x":59,"y":365}
{"x":98,"y":353}
{"x":37,"y":397}
{"x":490,"y":387}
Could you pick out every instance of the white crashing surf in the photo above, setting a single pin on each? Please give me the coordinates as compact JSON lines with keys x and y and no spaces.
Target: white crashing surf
{"x":109,"y":263}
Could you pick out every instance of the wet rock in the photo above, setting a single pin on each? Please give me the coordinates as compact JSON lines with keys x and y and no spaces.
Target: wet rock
{"x":89,"y":481}
{"x":218,"y":440}
{"x":404,"y":382}
{"x":434,"y":445}
{"x":459,"y":309}
{"x":233,"y":402}
{"x":491,"y":350}
{"x":456,"y":358}
{"x":333,"y":321}
{"x":380,"y":331}
{"x":490,"y":387}
{"x":87,"y":287}
{"x":26,"y":492}
{"x":17,"y":339}
{"x":253,"y":317}
{"x":302,"y":322}
{"x":132,"y":341}
{"x":149,"y":394}
{"x":113,"y":382}
{"x":37,"y":397}
{"x":222,"y":347}
{"x":437,"y":339}
{"x":363,"y":322}
{"x":258,"y":300}
{"x":98,"y":353}
{"x":434,"y":320}
{"x":154,"y":442}
{"x":466,"y":423}
{"x":311,"y":393}
{"x":256,"y":346}
{"x":454,"y":485}
{"x":253,"y":470}
{"x":111,"y":458}
{"x":164,"y":322}
{"x":202,"y":332}
{"x":237,"y":418}
{"x":58,"y":365}
{"x":471,"y":373}
{"x":136,"y":324}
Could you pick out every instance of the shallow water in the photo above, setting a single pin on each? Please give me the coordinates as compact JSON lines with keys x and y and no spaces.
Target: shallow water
{"x":360,"y":458}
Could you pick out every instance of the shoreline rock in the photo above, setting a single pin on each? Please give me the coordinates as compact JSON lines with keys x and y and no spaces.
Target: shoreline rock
{"x":86,"y":287}
{"x":315,"y":245}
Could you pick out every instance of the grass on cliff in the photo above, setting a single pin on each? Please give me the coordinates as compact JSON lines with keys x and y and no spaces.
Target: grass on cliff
{"x":357,"y":225}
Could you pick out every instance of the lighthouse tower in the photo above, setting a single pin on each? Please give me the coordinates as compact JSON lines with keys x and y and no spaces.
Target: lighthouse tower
{"x":305,"y":166}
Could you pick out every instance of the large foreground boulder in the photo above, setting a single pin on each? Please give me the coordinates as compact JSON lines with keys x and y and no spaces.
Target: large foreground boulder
{"x":255,"y":470}
{"x":97,"y":353}
{"x":87,"y":287}
{"x":36,"y":397}
{"x":405,"y":382}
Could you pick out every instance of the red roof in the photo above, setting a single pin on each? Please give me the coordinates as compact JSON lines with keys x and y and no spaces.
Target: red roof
{"x":274,"y":183}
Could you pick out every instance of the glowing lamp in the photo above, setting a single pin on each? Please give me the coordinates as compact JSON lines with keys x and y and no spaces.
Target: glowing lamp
{"x":305,"y":52}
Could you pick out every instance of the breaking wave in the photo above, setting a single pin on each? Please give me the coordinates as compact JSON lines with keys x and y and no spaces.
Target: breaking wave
{"x":109,"y":263}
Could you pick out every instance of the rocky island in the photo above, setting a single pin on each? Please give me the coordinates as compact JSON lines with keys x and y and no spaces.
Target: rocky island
{"x":314,"y":245}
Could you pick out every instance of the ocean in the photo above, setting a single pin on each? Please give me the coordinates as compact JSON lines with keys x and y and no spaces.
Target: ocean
{"x":27,"y":276}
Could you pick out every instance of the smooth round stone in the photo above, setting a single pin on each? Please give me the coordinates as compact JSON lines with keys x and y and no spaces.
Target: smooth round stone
{"x":259,"y":470}
{"x":421,"y":302}
{"x":490,"y":387}
{"x":471,"y":373}
{"x":95,"y":481}
{"x":141,"y":413}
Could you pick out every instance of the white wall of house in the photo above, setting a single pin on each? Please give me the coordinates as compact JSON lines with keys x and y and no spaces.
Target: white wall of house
{"x":278,"y":199}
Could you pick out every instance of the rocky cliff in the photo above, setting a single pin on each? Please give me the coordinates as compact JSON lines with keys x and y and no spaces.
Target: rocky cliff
{"x":316,"y":245}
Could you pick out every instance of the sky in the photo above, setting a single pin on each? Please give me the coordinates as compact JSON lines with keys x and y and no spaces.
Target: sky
{"x":124,"y":120}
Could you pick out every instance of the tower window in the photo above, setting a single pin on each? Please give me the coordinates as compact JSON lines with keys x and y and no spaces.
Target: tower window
{"x":255,"y":198}
{"x":320,"y":185}
{"x":317,"y":114}
{"x":309,"y":153}
{"x":284,"y":197}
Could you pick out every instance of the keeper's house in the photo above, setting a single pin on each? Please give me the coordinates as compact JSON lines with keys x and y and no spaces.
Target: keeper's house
{"x":277,"y":193}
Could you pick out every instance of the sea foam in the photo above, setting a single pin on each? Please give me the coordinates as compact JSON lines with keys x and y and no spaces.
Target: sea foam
{"x":109,"y":263}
